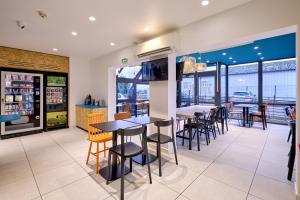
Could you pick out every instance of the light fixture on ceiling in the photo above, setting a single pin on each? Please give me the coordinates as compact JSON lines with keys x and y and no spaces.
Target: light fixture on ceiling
{"x":42,"y":14}
{"x":259,"y":53}
{"x":146,"y":29}
{"x":112,"y":44}
{"x":224,"y":54}
{"x":234,"y":61}
{"x":74,"y":33}
{"x":55,"y":49}
{"x":262,"y":58}
{"x":256,"y":47}
{"x":204,"y":3}
{"x":207,"y":61}
{"x":92,"y":18}
{"x":230,"y":58}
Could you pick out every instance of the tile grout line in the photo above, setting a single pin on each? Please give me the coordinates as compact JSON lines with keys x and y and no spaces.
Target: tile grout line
{"x":88,"y":175}
{"x":248,"y":193}
{"x":211,"y":164}
{"x":20,"y":140}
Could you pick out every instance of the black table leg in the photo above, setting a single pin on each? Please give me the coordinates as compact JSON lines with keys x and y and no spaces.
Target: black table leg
{"x":247,"y":116}
{"x":190,"y":134}
{"x":222,"y":123}
{"x":292,"y":153}
{"x":244,"y":116}
{"x":115,"y":167}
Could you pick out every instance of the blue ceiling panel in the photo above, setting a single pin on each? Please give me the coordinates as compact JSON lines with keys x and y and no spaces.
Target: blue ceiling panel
{"x":275,"y":48}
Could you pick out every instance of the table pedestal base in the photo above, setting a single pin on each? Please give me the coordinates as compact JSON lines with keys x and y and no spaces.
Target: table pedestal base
{"x":117,"y":172}
{"x":140,"y":159}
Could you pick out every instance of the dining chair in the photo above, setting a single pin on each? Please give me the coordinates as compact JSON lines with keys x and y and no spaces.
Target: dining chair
{"x":233,"y":113}
{"x":160,"y":138}
{"x":142,"y":109}
{"x":97,"y":136}
{"x":129,"y":150}
{"x":260,"y":114}
{"x":122,"y":115}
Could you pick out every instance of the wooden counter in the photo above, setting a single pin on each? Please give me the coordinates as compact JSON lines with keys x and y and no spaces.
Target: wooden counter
{"x":82,"y":112}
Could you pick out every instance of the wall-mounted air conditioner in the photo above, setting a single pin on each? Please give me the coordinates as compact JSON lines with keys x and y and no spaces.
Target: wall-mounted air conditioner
{"x":165,"y":44}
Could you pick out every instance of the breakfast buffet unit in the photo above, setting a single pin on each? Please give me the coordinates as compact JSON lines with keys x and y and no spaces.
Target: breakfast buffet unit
{"x":82,"y":112}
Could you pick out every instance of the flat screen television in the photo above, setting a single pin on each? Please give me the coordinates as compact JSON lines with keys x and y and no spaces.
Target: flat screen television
{"x":179,"y":71}
{"x":155,"y":70}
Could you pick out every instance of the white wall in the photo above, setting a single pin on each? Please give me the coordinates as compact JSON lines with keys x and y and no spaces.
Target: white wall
{"x":79,"y":84}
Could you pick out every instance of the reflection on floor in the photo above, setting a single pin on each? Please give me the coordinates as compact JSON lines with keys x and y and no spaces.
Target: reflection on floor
{"x":242,"y":164}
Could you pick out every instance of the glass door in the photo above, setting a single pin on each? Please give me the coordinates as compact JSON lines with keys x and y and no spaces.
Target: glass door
{"x":188,"y":90}
{"x":21,"y":93}
{"x":207,"y":89}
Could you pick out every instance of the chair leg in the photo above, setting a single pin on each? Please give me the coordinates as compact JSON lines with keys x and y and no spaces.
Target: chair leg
{"x":122,"y":177}
{"x":159,"y":158}
{"x":198,"y":140}
{"x":226,"y":124}
{"x":89,"y":153}
{"x":290,"y":133}
{"x":108,"y":167}
{"x":214,"y":132}
{"x":183,"y":136}
{"x":97,"y":159}
{"x":148,"y":163}
{"x":175,"y":151}
{"x":130,"y":164}
{"x":218,"y":128}
{"x":104,"y":151}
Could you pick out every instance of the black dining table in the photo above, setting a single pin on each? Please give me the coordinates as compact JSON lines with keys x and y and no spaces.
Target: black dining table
{"x":144,"y":120}
{"x":114,"y":126}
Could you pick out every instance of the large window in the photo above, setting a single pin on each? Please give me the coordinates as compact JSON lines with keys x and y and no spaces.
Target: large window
{"x":207,"y":89}
{"x":243,"y":83}
{"x":131,"y":89}
{"x":279,"y":87}
{"x":188,"y":91}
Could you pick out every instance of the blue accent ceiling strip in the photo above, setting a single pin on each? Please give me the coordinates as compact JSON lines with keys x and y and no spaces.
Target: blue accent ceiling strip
{"x":274,"y":48}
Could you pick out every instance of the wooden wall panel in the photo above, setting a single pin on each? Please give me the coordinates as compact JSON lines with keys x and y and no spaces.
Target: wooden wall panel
{"x":30,"y":60}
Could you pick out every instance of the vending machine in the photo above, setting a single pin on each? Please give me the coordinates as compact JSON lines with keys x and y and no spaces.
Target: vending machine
{"x":56,"y":104}
{"x":21,"y":93}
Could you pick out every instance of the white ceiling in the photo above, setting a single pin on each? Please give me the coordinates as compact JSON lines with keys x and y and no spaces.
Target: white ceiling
{"x":118,"y":21}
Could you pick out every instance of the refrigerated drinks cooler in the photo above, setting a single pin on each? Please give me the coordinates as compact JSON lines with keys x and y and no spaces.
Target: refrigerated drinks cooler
{"x":56,"y":101}
{"x":21,"y":93}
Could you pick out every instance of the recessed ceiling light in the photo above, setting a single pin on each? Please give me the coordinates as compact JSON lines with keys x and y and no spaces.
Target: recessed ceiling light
{"x":259,"y":53}
{"x":262,"y":58}
{"x":55,"y":49}
{"x":199,"y":58}
{"x":234,"y":61}
{"x":204,"y":2}
{"x":256,"y":47}
{"x":92,"y":19}
{"x":224,"y":54}
{"x":112,"y":44}
{"x":147,"y":29}
{"x":230,"y":58}
{"x":74,"y":33}
{"x":207,"y":61}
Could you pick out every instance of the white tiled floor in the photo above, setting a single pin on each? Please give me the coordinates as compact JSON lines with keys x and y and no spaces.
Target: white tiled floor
{"x":243,"y":164}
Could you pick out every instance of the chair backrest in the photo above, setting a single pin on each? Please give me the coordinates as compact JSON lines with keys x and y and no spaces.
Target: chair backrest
{"x":126,"y":107}
{"x":287,"y":111}
{"x":95,"y":118}
{"x":212,"y":114}
{"x":229,"y":106}
{"x":122,"y":115}
{"x":165,"y":123}
{"x":133,"y":132}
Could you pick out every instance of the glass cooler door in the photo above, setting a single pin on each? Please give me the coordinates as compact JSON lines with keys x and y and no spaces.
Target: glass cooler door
{"x":21,"y":93}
